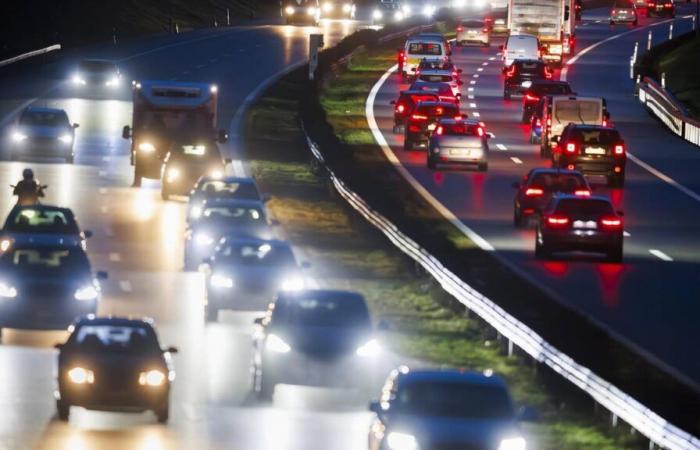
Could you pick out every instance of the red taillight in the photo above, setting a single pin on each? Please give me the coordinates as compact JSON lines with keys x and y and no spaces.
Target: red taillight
{"x":582,"y":192}
{"x":605,"y":122}
{"x":460,"y":29}
{"x":557,"y":221}
{"x":480,"y":131}
{"x":400,"y":108}
{"x":458,"y":117}
{"x":534,"y":192}
{"x":485,"y":30}
{"x":611,"y":223}
{"x":439,"y":130}
{"x":531,"y":98}
{"x":619,"y":149}
{"x":538,"y":123}
{"x":419,"y":117}
{"x":511,"y":71}
{"x":571,"y":147}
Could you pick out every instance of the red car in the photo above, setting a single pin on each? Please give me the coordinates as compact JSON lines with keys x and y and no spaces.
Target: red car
{"x":442,"y":90}
{"x":424,"y":120}
{"x":406,"y":102}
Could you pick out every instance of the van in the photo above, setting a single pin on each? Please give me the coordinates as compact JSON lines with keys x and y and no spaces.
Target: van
{"x":561,"y":110}
{"x":520,"y":46}
{"x":421,"y":47}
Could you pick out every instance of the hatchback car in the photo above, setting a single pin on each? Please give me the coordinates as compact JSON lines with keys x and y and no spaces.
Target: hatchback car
{"x":444,"y":409}
{"x":442,"y":90}
{"x":458,"y":142}
{"x":43,"y":224}
{"x":594,"y":150}
{"x":43,"y":132}
{"x":406,"y":102}
{"x":114,"y":364}
{"x":623,"y":11}
{"x":423,"y":121}
{"x":442,"y":76}
{"x":520,"y":76}
{"x":97,"y":73}
{"x":314,"y":338}
{"x":538,"y":89}
{"x":245,"y":274}
{"x":536,"y":189}
{"x":211,"y":188}
{"x":576,"y":223}
{"x":186,"y":162}
{"x":473,"y":32}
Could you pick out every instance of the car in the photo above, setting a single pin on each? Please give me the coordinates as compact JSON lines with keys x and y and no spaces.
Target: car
{"x":536,"y":189}
{"x":186,"y":162}
{"x":499,"y":21}
{"x":421,"y":47}
{"x":338,"y":9}
{"x":406,"y":103}
{"x":594,"y":150}
{"x":45,"y":286}
{"x":560,"y":110}
{"x":473,"y":31}
{"x":536,"y":121}
{"x":442,"y":76}
{"x":522,"y":74}
{"x":442,"y":90}
{"x":245,"y":274}
{"x":539,"y":88}
{"x":43,"y":132}
{"x":44,"y":224}
{"x":624,"y":11}
{"x":209,"y":187}
{"x":389,"y":11}
{"x":114,"y":364}
{"x":300,"y":12}
{"x":578,"y":8}
{"x":458,"y":142}
{"x":319,"y":338}
{"x":661,"y":8}
{"x":423,"y":121}
{"x":445,"y":409}
{"x":221,"y":217}
{"x":520,"y":46}
{"x":97,"y":73}
{"x":579,"y":223}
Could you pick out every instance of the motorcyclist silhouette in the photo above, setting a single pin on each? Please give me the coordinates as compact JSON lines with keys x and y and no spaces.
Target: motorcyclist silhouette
{"x":28,"y":190}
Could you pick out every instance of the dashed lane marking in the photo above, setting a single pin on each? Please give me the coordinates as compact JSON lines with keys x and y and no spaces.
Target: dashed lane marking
{"x":661,"y":255}
{"x":516,"y":160}
{"x":501,"y":147}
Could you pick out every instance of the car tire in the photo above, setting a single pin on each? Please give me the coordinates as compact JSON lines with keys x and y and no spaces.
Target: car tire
{"x":266,"y":389}
{"x":517,"y":217}
{"x":211,"y":314}
{"x":163,"y":412}
{"x":541,"y":251}
{"x":483,"y":167}
{"x":165,"y":193}
{"x":62,"y":410}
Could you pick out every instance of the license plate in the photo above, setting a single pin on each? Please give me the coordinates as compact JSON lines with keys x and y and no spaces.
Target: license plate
{"x":585,"y":225}
{"x":471,"y":32}
{"x":460,"y":152}
{"x":595,"y":151}
{"x":432,"y":127}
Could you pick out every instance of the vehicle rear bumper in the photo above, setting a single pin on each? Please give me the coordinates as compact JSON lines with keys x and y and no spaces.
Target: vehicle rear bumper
{"x":100,"y":398}
{"x":238,"y":299}
{"x":602,"y":166}
{"x":581,"y":239}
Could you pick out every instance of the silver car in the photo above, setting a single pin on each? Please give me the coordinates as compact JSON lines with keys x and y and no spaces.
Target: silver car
{"x":623,"y":11}
{"x":43,"y":132}
{"x":459,"y":142}
{"x":473,"y":32}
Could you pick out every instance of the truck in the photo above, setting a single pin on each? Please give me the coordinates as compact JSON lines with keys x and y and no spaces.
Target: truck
{"x":551,"y":21}
{"x":168,"y":113}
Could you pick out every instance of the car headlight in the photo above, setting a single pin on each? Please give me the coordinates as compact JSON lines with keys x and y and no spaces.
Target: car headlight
{"x":152,"y":378}
{"x":406,"y":9}
{"x":7,"y":291}
{"x":370,"y":348}
{"x":311,"y":11}
{"x":216,"y":174}
{"x":516,"y":443}
{"x":79,"y":375}
{"x":428,"y":10}
{"x":77,"y":80}
{"x":328,"y":7}
{"x":292,"y":284}
{"x":275,"y":344}
{"x":347,"y":8}
{"x":221,"y":281}
{"x":66,"y":138}
{"x":289,"y":10}
{"x":18,"y":137}
{"x":196,"y":212}
{"x":173,"y":174}
{"x":86,"y":293}
{"x":113,"y":82}
{"x":203,"y":239}
{"x":401,"y":441}
{"x":5,"y":245}
{"x":398,"y":16}
{"x":377,"y":15}
{"x":147,"y":147}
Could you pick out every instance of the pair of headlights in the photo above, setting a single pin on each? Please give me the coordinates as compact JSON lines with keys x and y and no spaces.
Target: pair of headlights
{"x":86,"y":293}
{"x":225,"y":282}
{"x":276,"y":344}
{"x":405,"y":441}
{"x":81,"y":375}
{"x":20,"y":137}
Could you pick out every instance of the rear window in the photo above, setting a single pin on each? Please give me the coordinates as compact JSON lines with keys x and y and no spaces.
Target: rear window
{"x":121,"y":339}
{"x":577,"y":111}
{"x":42,"y":221}
{"x":598,"y":137}
{"x":473,"y":24}
{"x":425,"y":48}
{"x":256,"y":254}
{"x":45,"y":119}
{"x":551,"y":89}
{"x":438,"y":111}
{"x":434,"y":78}
{"x":553,"y":182}
{"x":219,"y":188}
{"x":323,"y":311}
{"x":584,"y":206}
{"x":459,"y":129}
{"x":433,"y":64}
{"x":533,"y":67}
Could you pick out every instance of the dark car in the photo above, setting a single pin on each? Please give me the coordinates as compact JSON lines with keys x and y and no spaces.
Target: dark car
{"x":423,"y":121}
{"x":46,"y":286}
{"x":536,"y":189}
{"x":185,"y":163}
{"x":42,"y":224}
{"x":578,"y":8}
{"x":314,"y":338}
{"x":661,"y":8}
{"x":406,"y":102}
{"x":43,"y":132}
{"x":246,"y":218}
{"x":522,"y":74}
{"x":210,"y":188}
{"x":538,"y":89}
{"x":114,"y":364}
{"x":576,"y":223}
{"x":444,"y":409}
{"x":97,"y":73}
{"x":246,"y":273}
{"x":594,"y":150}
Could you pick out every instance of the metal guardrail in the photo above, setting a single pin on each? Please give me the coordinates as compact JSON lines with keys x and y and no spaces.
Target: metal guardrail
{"x":41,"y":51}
{"x":669,"y":110}
{"x":621,"y":405}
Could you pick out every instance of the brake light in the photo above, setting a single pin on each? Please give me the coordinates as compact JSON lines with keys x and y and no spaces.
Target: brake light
{"x":400,"y":108}
{"x":605,"y":122}
{"x":538,"y":123}
{"x":480,"y":131}
{"x":531,"y":98}
{"x":419,"y":117}
{"x":511,"y":71}
{"x":668,"y":5}
{"x":439,"y":130}
{"x":582,"y":192}
{"x":619,"y":149}
{"x":611,"y":223}
{"x":557,"y":221}
{"x":460,"y":29}
{"x":571,"y":147}
{"x":458,"y":117}
{"x":534,"y":192}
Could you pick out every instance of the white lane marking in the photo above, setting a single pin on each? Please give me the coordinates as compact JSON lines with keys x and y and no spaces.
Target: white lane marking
{"x":103,"y":191}
{"x":125,"y":285}
{"x":472,"y":82}
{"x":476,"y":75}
{"x":381,"y":140}
{"x":470,"y":89}
{"x":516,"y":160}
{"x":115,"y":257}
{"x":238,"y":169}
{"x":493,"y":58}
{"x":626,"y":234}
{"x":476,"y":114}
{"x":470,"y":97}
{"x":661,"y":255}
{"x":662,"y":176}
{"x":485,"y":63}
{"x":480,"y":69}
{"x":472,"y":105}
{"x":501,"y":147}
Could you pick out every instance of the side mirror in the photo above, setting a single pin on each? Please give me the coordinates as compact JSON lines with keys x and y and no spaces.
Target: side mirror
{"x":171,"y":350}
{"x":258,"y":321}
{"x":516,"y":185}
{"x":222,"y":137}
{"x":58,"y":345}
{"x":393,"y":102}
{"x":126,"y":132}
{"x":375,"y":407}
{"x":305,"y":265}
{"x":528,"y":414}
{"x":87,"y":234}
{"x":102,"y":275}
{"x":75,"y":125}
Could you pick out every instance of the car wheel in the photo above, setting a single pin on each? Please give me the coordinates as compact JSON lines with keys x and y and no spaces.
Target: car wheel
{"x":138,"y":178}
{"x":163,"y":412}
{"x":62,"y":410}
{"x":517,"y":217}
{"x":431,"y":163}
{"x":211,"y":314}
{"x":165,"y":193}
{"x":483,"y":167}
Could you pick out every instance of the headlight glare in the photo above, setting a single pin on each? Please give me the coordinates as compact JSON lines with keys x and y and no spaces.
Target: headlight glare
{"x":152,"y":378}
{"x":86,"y":293}
{"x":77,"y":79}
{"x":203,"y":239}
{"x":516,"y":443}
{"x":147,"y":147}
{"x":18,"y":137}
{"x":347,"y":8}
{"x":276,"y":344}
{"x":370,"y":348}
{"x":289,"y":10}
{"x":376,"y":14}
{"x":292,"y":284}
{"x":173,"y":174}
{"x":222,"y":281}
{"x":216,"y":174}
{"x":79,"y":375}
{"x":401,"y":441}
{"x":66,"y":138}
{"x":7,"y":291}
{"x":196,"y":212}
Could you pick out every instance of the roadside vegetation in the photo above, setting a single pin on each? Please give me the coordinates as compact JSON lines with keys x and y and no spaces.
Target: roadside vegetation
{"x":682,"y":68}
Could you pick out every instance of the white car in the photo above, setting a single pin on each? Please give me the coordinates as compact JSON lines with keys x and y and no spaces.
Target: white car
{"x":43,"y":132}
{"x":520,"y":46}
{"x":473,"y":32}
{"x":441,"y":76}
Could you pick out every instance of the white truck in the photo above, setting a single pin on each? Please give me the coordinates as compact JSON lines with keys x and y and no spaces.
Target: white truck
{"x":551,"y":21}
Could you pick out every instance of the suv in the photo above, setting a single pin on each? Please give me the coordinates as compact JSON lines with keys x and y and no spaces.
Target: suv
{"x":423,"y":121}
{"x":521,"y":74}
{"x":659,"y":8}
{"x":592,"y":149}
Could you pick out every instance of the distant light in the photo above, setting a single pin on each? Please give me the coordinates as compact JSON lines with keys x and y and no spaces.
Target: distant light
{"x":214,"y":89}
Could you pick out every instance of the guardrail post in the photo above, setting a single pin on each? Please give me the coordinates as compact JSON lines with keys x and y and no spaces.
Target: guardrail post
{"x":651,"y":445}
{"x":228,"y":17}
{"x":114,"y":35}
{"x":663,"y":80}
{"x":614,"y":420}
{"x":177,"y":28}
{"x":670,"y":31}
{"x":510,"y":348}
{"x":649,"y":41}
{"x":694,"y":23}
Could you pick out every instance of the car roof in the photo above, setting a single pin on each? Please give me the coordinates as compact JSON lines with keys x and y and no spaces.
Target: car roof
{"x":37,"y":109}
{"x":115,"y":321}
{"x":436,"y":70}
{"x":453,"y":121}
{"x":451,"y":375}
{"x":41,"y":207}
{"x":582,"y":126}
{"x":417,"y":92}
{"x":439,"y":36}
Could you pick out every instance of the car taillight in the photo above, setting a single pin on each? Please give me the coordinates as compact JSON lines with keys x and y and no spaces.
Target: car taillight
{"x":538,"y":123}
{"x":458,"y":117}
{"x":531,"y":98}
{"x":549,"y":122}
{"x":605,"y":122}
{"x":485,"y":30}
{"x":439,"y":130}
{"x":619,"y":149}
{"x":668,"y":5}
{"x":400,"y":108}
{"x":480,"y":131}
{"x":534,"y":192}
{"x":582,"y":192}
{"x":460,"y":29}
{"x":556,"y":221}
{"x":613,"y":11}
{"x":611,"y":223}
{"x":511,"y":72}
{"x":570,"y":147}
{"x":419,"y":117}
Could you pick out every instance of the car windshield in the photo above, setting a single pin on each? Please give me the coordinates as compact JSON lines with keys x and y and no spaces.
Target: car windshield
{"x":53,"y":221}
{"x":122,"y":339}
{"x":596,"y":136}
{"x":551,"y":89}
{"x":459,"y":129}
{"x":473,"y":24}
{"x":45,"y":261}
{"x":425,"y":48}
{"x":97,"y":66}
{"x":235,"y":214}
{"x":44,"y":119}
{"x":341,"y":311}
{"x":584,"y":206}
{"x":456,"y":399}
{"x":435,"y":78}
{"x":437,"y":110}
{"x":563,"y":182}
{"x":262,"y":254}
{"x":219,"y":188}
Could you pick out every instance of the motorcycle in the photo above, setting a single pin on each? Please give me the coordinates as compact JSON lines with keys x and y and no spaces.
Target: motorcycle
{"x":29,"y":197}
